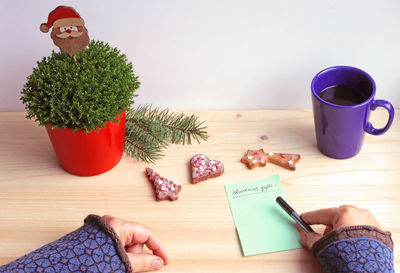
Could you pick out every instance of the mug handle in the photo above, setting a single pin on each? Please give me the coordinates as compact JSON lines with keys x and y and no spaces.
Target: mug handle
{"x":389,"y":107}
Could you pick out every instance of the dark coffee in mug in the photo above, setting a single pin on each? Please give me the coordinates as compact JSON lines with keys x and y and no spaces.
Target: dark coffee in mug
{"x":343,"y":95}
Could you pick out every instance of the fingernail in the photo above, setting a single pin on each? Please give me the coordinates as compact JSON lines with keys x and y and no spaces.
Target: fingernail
{"x":156,"y":264}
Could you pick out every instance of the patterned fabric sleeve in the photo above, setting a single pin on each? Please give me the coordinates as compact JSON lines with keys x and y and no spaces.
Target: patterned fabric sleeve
{"x":94,"y":247}
{"x":355,"y":249}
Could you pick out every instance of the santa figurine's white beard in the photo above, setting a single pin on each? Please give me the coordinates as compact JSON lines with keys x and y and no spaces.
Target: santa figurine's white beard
{"x":71,"y":45}
{"x":72,"y":34}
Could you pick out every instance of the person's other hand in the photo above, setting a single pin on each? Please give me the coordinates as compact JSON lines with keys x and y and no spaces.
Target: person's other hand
{"x":334,"y":218}
{"x":134,"y":237}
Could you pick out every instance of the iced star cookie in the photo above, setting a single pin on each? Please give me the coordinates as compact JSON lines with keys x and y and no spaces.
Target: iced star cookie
{"x":202,"y":168}
{"x":163,"y":188}
{"x":287,"y":161}
{"x":255,"y":158}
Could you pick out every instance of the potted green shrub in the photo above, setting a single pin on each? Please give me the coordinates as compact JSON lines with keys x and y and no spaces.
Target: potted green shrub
{"x":82,"y":101}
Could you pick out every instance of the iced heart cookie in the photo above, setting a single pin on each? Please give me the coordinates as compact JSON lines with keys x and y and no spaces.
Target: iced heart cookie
{"x":287,"y":161}
{"x":202,"y":168}
{"x":163,"y":188}
{"x":254,"y":159}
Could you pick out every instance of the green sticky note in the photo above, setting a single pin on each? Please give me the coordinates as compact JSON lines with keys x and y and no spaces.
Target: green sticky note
{"x":262,"y":225}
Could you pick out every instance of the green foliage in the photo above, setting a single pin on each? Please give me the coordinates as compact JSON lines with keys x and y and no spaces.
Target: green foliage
{"x":148,"y":131}
{"x":83,"y":94}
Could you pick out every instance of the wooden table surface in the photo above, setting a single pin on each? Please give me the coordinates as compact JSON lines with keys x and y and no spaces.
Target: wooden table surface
{"x":40,"y":202}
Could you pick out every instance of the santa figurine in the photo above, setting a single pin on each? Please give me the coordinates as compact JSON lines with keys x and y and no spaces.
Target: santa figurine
{"x":69,"y":32}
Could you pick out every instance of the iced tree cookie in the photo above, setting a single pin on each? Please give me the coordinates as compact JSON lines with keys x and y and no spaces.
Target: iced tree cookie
{"x":163,"y":188}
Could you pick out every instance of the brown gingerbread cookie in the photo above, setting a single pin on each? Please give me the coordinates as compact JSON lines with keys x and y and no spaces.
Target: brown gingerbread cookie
{"x":163,"y":188}
{"x":258,"y":158}
{"x":255,"y":158}
{"x":202,"y":168}
{"x":287,"y":161}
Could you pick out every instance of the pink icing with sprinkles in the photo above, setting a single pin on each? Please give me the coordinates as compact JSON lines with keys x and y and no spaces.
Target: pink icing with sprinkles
{"x":288,"y":158}
{"x":163,"y":184}
{"x":257,"y":156}
{"x":202,"y":165}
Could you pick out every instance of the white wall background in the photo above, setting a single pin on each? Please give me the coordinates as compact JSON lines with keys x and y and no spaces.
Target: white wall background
{"x":217,"y":54}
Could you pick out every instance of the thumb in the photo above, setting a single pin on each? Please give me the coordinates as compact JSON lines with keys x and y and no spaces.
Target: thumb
{"x":145,"y":262}
{"x":308,"y":239}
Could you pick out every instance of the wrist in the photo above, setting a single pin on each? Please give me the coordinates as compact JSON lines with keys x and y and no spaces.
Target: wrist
{"x":109,"y":230}
{"x":358,"y":231}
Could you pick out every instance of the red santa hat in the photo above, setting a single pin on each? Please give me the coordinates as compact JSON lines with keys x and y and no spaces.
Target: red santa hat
{"x":62,"y":16}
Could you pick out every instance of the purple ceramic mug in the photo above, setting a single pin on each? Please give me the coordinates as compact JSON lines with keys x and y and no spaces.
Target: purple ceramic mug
{"x":340,"y":129}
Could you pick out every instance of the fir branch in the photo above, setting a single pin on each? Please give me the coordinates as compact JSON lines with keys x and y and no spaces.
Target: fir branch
{"x":179,"y":128}
{"x":142,"y":144}
{"x":135,"y":147}
{"x":148,"y":131}
{"x":183,"y":128}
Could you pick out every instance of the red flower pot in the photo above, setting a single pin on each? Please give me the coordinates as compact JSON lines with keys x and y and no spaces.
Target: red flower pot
{"x":93,"y":153}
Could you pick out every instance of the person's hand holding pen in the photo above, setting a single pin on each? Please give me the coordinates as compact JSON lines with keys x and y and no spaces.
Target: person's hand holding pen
{"x":334,"y":218}
{"x":353,"y":240}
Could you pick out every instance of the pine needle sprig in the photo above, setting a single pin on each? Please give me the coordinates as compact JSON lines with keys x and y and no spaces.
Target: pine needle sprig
{"x":184,"y":128}
{"x":137,"y":147}
{"x":149,"y":131}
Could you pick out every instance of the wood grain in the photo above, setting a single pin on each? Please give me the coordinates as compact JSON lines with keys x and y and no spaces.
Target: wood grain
{"x":39,"y":202}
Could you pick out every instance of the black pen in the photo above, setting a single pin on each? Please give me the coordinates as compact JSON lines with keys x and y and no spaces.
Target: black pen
{"x":293,"y":214}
